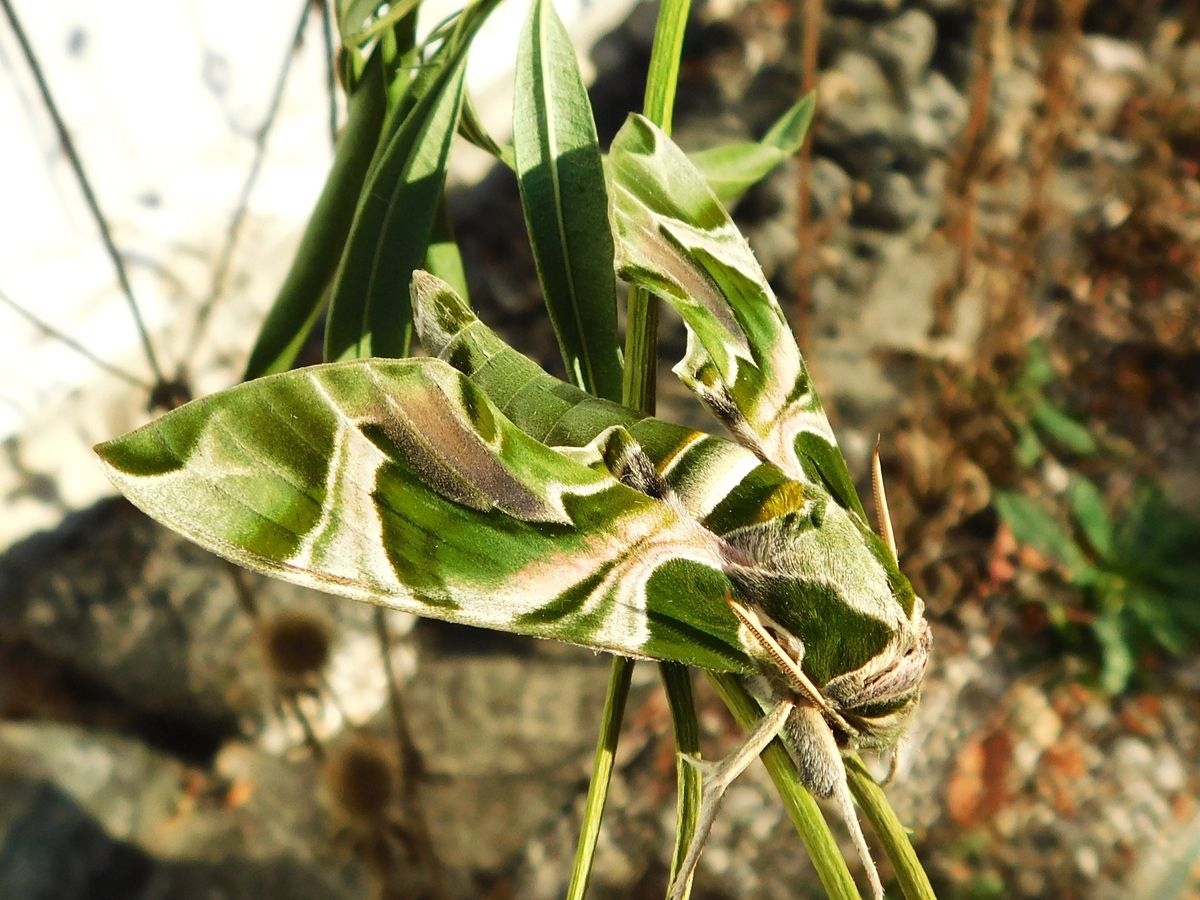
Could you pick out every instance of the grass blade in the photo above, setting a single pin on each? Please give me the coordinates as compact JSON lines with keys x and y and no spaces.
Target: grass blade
{"x":637,"y":391}
{"x":300,"y":298}
{"x":565,"y":201}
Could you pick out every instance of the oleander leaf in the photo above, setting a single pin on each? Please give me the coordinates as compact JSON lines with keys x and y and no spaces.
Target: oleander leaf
{"x":565,"y":201}
{"x":472,"y":130}
{"x":675,"y":238}
{"x":399,"y":482}
{"x":443,"y":257}
{"x":301,"y":297}
{"x":369,"y":313}
{"x":732,"y":169}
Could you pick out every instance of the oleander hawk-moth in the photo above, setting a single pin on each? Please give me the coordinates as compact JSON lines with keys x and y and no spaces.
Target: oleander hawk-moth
{"x":474,"y":487}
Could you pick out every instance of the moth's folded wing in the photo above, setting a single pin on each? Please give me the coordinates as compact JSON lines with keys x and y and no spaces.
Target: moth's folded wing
{"x":675,"y":238}
{"x":398,"y":482}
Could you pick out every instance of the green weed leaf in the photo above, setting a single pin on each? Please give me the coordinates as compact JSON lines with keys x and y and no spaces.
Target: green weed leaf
{"x":1089,"y":513}
{"x":1063,"y":430}
{"x":1036,"y":527}
{"x":369,"y":313}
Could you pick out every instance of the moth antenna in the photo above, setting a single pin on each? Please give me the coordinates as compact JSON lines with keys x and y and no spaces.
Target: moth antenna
{"x":881,"y":507}
{"x":786,"y":666}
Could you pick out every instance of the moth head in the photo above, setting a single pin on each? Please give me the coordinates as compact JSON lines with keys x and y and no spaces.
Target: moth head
{"x":823,"y":576}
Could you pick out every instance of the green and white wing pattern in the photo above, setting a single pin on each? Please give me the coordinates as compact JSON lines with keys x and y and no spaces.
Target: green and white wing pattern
{"x":675,"y":238}
{"x":718,"y":482}
{"x":399,"y":482}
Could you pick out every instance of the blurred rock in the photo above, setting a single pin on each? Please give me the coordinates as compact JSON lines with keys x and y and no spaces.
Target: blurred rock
{"x":904,"y":46}
{"x":89,"y":814}
{"x":831,"y":188}
{"x":1109,"y":54}
{"x":937,"y":114}
{"x":156,"y":620}
{"x":893,"y":203}
{"x":861,"y":121}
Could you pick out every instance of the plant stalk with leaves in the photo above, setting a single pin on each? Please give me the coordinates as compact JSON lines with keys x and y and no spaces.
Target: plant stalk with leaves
{"x":474,"y":487}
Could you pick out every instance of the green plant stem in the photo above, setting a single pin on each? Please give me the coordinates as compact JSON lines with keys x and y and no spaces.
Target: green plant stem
{"x":663,"y":75}
{"x":641,"y":358}
{"x":641,"y":338}
{"x":892,"y":835}
{"x":602,"y":765}
{"x":677,"y":680}
{"x":641,"y":361}
{"x":827,"y":859}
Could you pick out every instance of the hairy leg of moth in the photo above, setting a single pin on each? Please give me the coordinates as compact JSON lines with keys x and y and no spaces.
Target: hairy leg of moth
{"x":823,"y":772}
{"x":716,"y":777}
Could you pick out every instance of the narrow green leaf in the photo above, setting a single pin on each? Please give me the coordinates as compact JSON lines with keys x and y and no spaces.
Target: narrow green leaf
{"x":677,"y":682}
{"x":357,"y":30}
{"x":637,"y":392}
{"x":443,"y":258}
{"x":353,"y":14}
{"x":400,"y":61}
{"x":472,"y":129}
{"x":369,"y":313}
{"x":1117,"y":662}
{"x":1090,"y":514}
{"x":896,"y":844}
{"x":1063,"y":430}
{"x":302,"y":295}
{"x":1029,"y":447}
{"x":565,"y":201}
{"x":732,"y":169}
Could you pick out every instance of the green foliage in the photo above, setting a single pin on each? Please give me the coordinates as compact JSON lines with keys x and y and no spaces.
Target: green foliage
{"x":733,"y":169}
{"x":1138,"y":571}
{"x":1036,"y":420}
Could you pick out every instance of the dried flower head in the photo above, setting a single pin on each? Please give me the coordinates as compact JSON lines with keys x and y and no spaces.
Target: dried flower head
{"x":360,"y":776}
{"x":296,"y":644}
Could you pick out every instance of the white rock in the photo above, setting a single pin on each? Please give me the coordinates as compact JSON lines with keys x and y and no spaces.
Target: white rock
{"x":1109,"y":54}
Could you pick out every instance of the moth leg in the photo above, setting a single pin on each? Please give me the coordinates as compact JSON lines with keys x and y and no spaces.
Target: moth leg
{"x":786,"y":665}
{"x":716,"y":778}
{"x":893,"y":766}
{"x":823,"y":772}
